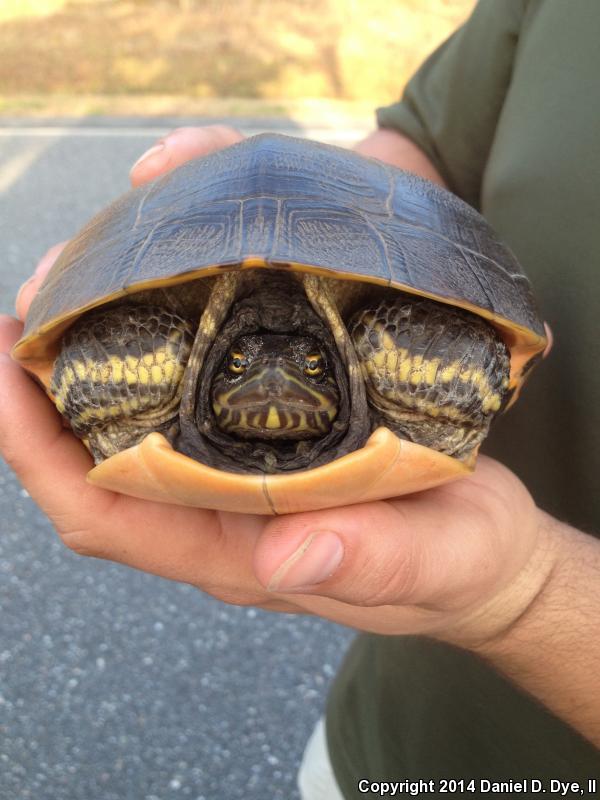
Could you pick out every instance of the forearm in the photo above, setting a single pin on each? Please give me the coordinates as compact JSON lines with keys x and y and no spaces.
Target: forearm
{"x":552,"y":649}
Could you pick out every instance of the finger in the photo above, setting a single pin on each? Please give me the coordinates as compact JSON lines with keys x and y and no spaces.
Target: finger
{"x":441,"y":549}
{"x":10,"y":332}
{"x":50,"y":462}
{"x":174,"y":542}
{"x":180,"y":146}
{"x":52,"y":465}
{"x":211,"y":552}
{"x":550,"y":338}
{"x":28,"y":290}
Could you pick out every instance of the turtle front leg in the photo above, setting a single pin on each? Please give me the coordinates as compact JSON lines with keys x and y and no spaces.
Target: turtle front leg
{"x":436,"y":375}
{"x":119,"y":376}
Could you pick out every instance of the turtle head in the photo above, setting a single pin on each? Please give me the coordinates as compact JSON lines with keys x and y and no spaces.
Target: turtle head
{"x":275,"y":387}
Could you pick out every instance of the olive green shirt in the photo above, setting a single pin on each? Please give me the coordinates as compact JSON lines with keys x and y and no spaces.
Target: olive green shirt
{"x":508,"y":109}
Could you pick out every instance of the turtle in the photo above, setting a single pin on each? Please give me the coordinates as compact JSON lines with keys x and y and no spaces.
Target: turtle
{"x":283,"y":326}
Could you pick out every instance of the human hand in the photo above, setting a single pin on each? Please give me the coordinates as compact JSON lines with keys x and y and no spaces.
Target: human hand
{"x":459,"y":562}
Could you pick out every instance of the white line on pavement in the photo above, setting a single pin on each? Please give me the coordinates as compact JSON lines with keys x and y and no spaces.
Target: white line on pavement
{"x":11,"y":170}
{"x":340,"y":135}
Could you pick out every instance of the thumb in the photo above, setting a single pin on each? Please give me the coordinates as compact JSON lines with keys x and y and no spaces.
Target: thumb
{"x":446,"y":548}
{"x":418,"y":550}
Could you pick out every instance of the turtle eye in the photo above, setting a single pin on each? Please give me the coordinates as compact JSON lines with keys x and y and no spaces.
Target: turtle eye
{"x":313,"y":365}
{"x":237,"y":362}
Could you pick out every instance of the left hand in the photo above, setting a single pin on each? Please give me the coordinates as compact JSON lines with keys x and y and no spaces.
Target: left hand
{"x":460,"y":562}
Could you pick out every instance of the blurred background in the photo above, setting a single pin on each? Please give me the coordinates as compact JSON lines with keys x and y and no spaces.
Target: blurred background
{"x":117,"y":685}
{"x":214,"y":57}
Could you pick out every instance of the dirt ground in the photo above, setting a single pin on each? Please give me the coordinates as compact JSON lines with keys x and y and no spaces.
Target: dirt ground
{"x":233,"y":57}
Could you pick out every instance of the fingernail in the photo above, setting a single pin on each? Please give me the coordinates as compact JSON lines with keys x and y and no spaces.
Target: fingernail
{"x":21,"y":290}
{"x":153,"y":151}
{"x":316,"y":559}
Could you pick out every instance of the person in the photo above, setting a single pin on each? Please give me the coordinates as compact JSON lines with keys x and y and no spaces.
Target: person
{"x":487,"y":601}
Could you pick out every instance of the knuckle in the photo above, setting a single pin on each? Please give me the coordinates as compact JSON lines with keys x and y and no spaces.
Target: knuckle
{"x":9,"y":455}
{"x":79,"y":542}
{"x":15,"y":458}
{"x":222,"y":130}
{"x":391,"y":582}
{"x":224,"y":135}
{"x":211,"y":136}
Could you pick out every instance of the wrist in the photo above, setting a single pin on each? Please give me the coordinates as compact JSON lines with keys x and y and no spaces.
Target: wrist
{"x":501,"y":618}
{"x":551,"y":647}
{"x":524,"y":602}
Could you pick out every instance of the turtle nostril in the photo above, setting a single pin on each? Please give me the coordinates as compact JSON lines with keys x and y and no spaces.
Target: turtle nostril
{"x":274,"y":388}
{"x":273,"y":383}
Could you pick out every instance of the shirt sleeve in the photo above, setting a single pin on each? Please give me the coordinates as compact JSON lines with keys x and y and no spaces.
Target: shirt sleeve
{"x":451,"y":106}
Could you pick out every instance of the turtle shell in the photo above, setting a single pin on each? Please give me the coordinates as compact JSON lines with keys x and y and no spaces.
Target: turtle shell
{"x":278,"y":202}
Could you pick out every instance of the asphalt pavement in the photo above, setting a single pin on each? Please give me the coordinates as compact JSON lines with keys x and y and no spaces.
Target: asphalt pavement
{"x":114,"y":684}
